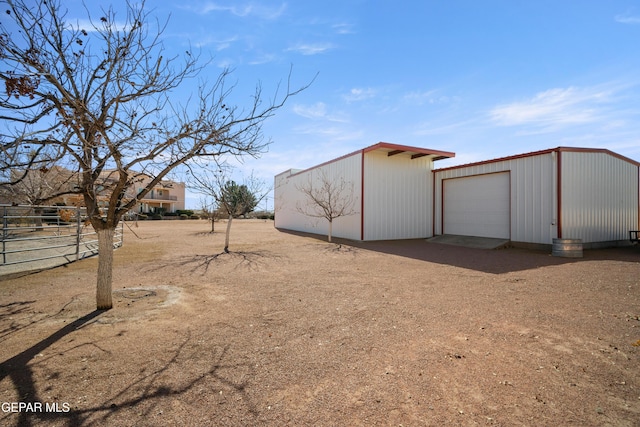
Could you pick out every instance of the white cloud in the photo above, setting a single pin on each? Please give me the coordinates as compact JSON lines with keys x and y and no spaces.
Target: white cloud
{"x":310,"y":48}
{"x":264,"y":58}
{"x":343,"y":28}
{"x":317,"y":111}
{"x":330,"y":133}
{"x":627,"y":18}
{"x":555,"y":108}
{"x":246,"y":9}
{"x":420,"y":97}
{"x":224,"y":63}
{"x":220,"y":44}
{"x":91,"y":26}
{"x":431,"y":97}
{"x":360,"y":94}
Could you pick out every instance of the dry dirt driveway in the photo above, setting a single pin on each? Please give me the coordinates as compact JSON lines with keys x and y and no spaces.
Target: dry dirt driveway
{"x":290,"y":330}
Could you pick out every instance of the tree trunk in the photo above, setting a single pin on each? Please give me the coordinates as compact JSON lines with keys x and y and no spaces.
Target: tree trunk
{"x":212,"y":224}
{"x":330,"y":230}
{"x":105,"y":268}
{"x":38,"y":220}
{"x":226,"y":238}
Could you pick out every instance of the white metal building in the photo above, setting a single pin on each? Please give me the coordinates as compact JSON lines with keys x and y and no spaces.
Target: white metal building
{"x":532,"y":198}
{"x":565,"y":193}
{"x":392,"y":185}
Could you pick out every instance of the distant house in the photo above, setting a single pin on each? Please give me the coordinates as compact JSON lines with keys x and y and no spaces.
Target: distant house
{"x":40,"y":187}
{"x":529,"y":199}
{"x":167,"y":196}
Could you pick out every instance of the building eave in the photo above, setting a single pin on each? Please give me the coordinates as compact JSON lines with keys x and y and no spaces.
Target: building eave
{"x":414,"y":152}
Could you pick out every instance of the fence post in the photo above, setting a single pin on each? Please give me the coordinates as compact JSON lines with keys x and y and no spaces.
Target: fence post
{"x":5,"y":234}
{"x":78,"y":231}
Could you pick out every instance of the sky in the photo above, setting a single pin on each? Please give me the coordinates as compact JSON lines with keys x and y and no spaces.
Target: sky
{"x":483,"y":79}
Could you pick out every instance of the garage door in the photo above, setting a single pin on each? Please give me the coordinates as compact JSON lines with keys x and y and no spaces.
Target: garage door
{"x":478,"y":206}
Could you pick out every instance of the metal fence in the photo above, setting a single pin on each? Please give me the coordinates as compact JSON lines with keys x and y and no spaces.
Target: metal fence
{"x":39,"y":237}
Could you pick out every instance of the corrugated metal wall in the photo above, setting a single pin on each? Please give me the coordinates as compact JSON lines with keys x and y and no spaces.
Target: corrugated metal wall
{"x":599,"y":197}
{"x":289,"y":200}
{"x":403,"y":199}
{"x":533,"y":200}
{"x":397,"y":201}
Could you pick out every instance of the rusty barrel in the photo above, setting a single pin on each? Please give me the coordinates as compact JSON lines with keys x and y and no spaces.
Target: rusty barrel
{"x":567,"y":248}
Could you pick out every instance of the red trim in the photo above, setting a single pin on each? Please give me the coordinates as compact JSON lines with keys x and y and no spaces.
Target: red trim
{"x":433,"y":203}
{"x":638,"y":197}
{"x":442,"y":206}
{"x":559,"y":193}
{"x":547,"y":151}
{"x":510,"y":205}
{"x":362,"y":196}
{"x":598,"y":150}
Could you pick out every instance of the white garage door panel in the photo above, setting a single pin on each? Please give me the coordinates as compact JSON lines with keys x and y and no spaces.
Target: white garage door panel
{"x":478,"y":206}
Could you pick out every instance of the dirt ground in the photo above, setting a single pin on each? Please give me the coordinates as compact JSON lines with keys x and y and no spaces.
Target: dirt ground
{"x":291,"y":330}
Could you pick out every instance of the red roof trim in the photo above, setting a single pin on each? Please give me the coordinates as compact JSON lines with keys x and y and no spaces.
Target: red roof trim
{"x":381,"y":145}
{"x":541,"y":152}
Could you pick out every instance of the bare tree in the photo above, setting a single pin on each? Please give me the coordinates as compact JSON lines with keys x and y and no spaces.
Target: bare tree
{"x":38,"y":187}
{"x":233,"y":199}
{"x":210,"y":210}
{"x":98,"y":101}
{"x":328,"y":198}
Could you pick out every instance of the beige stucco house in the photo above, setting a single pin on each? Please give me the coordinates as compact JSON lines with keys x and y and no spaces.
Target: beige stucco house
{"x":167,"y":196}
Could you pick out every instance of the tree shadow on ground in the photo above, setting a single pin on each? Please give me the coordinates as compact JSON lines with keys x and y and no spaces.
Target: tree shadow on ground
{"x":335,"y":248}
{"x":494,"y":261}
{"x":10,"y":311}
{"x":19,"y":370}
{"x":146,"y":394}
{"x":247,"y":259}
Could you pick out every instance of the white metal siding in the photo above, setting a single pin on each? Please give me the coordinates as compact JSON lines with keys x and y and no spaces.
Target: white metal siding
{"x":599,"y":197}
{"x":397,"y":196}
{"x":288,"y":199}
{"x":478,"y":205}
{"x":533,"y":195}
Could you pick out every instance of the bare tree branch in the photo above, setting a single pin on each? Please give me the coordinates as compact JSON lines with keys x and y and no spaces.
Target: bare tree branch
{"x":233,"y":199}
{"x":328,"y":198}
{"x":99,"y":101}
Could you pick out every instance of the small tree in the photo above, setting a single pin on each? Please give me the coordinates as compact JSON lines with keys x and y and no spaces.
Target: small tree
{"x":232,"y":199}
{"x":100,"y":101}
{"x":210,"y":211}
{"x":329,"y":199}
